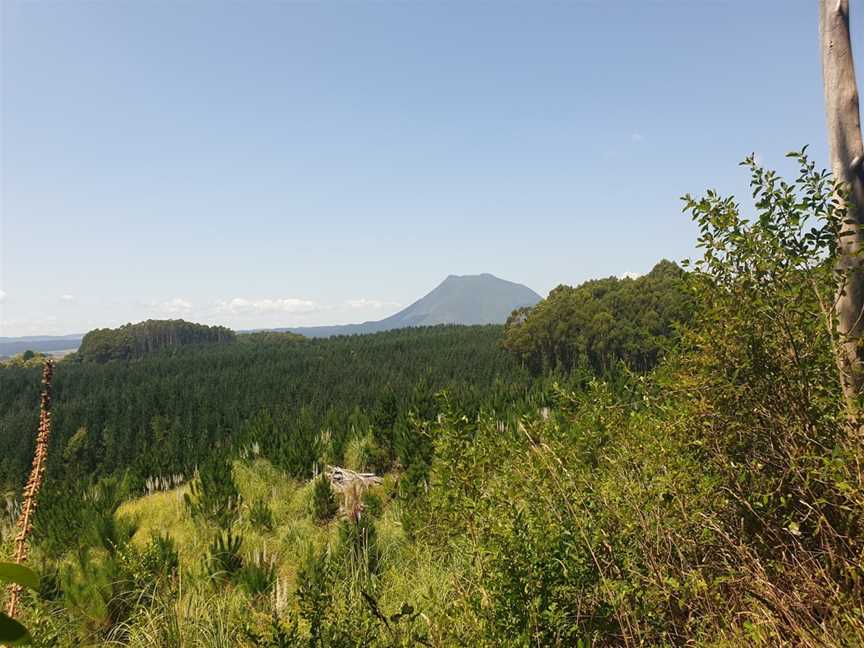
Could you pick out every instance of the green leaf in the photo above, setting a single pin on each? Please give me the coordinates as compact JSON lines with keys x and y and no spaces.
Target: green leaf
{"x":19,"y":574}
{"x":12,"y":632}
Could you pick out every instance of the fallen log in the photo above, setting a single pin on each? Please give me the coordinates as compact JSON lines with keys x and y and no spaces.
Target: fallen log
{"x":343,"y":479}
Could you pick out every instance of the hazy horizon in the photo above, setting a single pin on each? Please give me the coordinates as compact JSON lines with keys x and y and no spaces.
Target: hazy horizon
{"x":273,"y":165}
{"x":214,"y":321}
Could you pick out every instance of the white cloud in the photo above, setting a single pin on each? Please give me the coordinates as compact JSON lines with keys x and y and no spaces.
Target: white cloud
{"x":371,"y":303}
{"x":636,"y":138}
{"x":43,"y":326}
{"x":629,"y":275}
{"x":67,"y":297}
{"x":242,"y":306}
{"x":176,"y":306}
{"x":2,"y":295}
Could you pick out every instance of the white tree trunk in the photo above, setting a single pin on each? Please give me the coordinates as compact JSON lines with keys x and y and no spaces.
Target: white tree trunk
{"x":847,"y":159}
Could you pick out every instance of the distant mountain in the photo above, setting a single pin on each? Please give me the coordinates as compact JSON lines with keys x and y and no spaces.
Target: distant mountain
{"x":465,"y":299}
{"x":9,"y":346}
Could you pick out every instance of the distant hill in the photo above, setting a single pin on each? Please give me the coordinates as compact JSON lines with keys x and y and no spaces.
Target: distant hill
{"x":9,"y":346}
{"x":136,"y":340}
{"x":465,"y":299}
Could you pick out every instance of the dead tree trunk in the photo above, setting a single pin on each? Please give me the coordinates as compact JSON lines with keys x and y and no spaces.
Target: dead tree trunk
{"x":847,"y":156}
{"x":351,"y":484}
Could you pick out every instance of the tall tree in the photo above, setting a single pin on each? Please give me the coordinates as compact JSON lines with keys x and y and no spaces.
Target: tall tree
{"x":847,"y":159}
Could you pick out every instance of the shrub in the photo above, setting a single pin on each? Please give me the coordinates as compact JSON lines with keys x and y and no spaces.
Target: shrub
{"x":314,"y":598}
{"x":214,"y":495}
{"x":258,"y":575}
{"x":374,"y":456}
{"x":324,"y":505}
{"x":372,"y":504}
{"x":160,"y":557}
{"x":260,"y":514}
{"x":223,"y":555}
{"x":276,"y":634}
{"x":358,"y":544}
{"x":299,"y":444}
{"x":768,"y":420}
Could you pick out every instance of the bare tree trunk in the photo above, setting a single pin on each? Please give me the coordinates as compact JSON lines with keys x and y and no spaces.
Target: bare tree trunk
{"x":847,"y":159}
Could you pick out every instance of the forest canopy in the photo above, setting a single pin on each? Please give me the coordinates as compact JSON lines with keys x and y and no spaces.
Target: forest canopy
{"x":602,"y":322}
{"x":132,"y":341}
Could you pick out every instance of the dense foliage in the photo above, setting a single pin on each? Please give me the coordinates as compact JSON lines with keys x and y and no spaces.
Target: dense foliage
{"x":603,"y":322}
{"x":717,"y":500}
{"x":136,"y":340}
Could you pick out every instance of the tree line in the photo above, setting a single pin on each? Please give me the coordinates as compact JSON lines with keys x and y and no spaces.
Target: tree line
{"x":132,"y":341}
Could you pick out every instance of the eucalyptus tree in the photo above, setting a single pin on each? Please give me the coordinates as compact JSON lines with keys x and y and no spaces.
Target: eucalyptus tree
{"x":847,"y":163}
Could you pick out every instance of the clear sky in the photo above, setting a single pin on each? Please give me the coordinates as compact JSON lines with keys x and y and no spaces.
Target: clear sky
{"x":275,"y":163}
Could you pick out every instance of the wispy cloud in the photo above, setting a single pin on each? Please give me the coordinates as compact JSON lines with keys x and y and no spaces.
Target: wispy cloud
{"x":176,"y":306}
{"x":374,"y":304}
{"x":43,"y":326}
{"x":243,"y":306}
{"x":636,"y":138}
{"x":629,"y":275}
{"x":2,"y":295}
{"x":237,"y":312}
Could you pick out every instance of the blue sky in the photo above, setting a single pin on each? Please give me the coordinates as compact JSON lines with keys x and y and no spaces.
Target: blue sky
{"x":274,"y":163}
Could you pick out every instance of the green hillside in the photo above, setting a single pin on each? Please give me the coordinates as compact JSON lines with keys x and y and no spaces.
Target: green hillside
{"x":136,"y":340}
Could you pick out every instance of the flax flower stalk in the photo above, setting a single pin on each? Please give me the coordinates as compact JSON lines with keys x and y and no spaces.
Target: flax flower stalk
{"x":34,"y":483}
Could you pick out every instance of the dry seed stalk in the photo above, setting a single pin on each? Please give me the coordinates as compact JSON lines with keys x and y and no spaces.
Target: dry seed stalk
{"x":34,"y":483}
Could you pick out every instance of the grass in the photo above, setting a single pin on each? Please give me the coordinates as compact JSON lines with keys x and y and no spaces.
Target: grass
{"x":161,"y":512}
{"x":409,"y":572}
